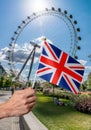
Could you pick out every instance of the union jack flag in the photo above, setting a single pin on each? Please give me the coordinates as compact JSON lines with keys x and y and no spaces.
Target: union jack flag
{"x":57,"y":67}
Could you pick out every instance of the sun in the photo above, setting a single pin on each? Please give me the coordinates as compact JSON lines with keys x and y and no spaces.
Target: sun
{"x":34,"y":5}
{"x":39,"y":5}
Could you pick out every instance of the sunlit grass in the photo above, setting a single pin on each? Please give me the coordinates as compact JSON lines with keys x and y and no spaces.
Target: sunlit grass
{"x":60,"y":117}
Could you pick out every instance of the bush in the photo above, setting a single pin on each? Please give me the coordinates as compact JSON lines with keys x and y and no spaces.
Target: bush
{"x":83,"y":103}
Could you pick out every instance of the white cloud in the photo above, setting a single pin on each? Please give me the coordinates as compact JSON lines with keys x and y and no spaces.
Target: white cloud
{"x":20,"y":55}
{"x":41,"y":39}
{"x":22,"y":52}
{"x":88,"y":68}
{"x":4,"y":54}
{"x":83,"y":62}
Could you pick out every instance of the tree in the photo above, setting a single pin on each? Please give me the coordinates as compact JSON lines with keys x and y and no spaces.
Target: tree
{"x":1,"y":81}
{"x":5,"y":81}
{"x":89,"y":81}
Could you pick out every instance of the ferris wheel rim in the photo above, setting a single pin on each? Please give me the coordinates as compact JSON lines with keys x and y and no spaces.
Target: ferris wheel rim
{"x":34,"y":16}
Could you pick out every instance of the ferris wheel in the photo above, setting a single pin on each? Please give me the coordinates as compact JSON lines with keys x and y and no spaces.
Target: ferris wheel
{"x":54,"y":24}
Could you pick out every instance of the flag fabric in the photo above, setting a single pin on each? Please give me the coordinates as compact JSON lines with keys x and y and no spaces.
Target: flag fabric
{"x":57,"y":67}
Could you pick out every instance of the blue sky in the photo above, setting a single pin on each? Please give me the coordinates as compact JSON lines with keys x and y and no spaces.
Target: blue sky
{"x":13,"y":12}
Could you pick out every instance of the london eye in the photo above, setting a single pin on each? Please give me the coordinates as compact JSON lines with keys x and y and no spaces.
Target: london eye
{"x":56,"y":25}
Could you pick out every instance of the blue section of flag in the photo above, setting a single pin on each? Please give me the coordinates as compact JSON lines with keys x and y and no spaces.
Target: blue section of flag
{"x":56,"y":50}
{"x":46,"y":77}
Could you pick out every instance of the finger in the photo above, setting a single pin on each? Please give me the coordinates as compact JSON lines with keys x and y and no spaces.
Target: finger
{"x":30,"y":92}
{"x":31,"y":99}
{"x":31,"y":105}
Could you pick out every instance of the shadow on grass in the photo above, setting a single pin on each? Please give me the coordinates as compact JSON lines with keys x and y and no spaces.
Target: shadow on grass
{"x":49,"y":108}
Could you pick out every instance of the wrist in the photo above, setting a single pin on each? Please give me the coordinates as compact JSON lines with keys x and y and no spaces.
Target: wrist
{"x":4,"y":111}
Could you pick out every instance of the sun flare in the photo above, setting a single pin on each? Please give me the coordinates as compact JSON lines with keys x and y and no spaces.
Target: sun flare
{"x":35,"y":5}
{"x":39,"y":5}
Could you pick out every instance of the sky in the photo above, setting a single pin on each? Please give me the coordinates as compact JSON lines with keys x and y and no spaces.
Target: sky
{"x":13,"y":12}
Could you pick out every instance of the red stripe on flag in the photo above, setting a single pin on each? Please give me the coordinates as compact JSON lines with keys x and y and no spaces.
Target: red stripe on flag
{"x":51,"y":51}
{"x":42,"y":70}
{"x":48,"y":61}
{"x":76,"y":67}
{"x":72,"y":74}
{"x":59,"y":69}
{"x":70,"y":84}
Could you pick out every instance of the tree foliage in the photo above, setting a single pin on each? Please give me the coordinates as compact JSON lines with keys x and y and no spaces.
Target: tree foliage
{"x":5,"y":81}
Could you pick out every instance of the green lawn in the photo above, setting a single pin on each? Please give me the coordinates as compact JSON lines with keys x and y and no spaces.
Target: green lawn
{"x":60,"y":117}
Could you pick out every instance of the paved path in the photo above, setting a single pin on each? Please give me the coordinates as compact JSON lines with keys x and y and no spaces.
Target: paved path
{"x":11,"y":123}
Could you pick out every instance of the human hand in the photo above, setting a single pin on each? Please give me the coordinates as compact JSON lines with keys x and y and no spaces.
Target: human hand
{"x":21,"y":102}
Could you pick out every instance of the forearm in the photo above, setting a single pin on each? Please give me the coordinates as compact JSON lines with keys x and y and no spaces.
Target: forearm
{"x":4,"y":112}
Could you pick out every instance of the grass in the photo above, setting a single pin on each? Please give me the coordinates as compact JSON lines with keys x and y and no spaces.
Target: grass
{"x":60,"y":117}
